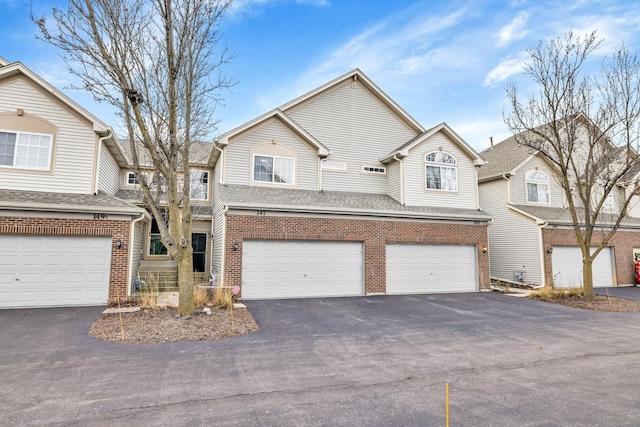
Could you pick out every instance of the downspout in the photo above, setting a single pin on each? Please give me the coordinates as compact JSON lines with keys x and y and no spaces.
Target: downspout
{"x":507,"y":177}
{"x":131,"y":245}
{"x":320,"y":187}
{"x":224,"y":246}
{"x":222,"y":171}
{"x":543,"y":272}
{"x":395,"y":157}
{"x":99,"y":159}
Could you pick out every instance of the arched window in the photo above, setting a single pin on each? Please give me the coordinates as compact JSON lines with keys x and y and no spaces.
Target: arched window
{"x":441,"y":171}
{"x":537,"y":187}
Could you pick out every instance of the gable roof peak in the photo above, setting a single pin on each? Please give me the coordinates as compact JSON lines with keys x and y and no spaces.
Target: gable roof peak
{"x":359,"y":77}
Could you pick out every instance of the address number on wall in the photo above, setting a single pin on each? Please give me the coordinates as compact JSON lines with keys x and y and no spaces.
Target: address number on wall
{"x":99,"y":216}
{"x":261,"y":213}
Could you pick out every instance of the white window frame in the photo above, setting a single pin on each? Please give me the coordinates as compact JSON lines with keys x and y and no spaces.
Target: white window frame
{"x":131,"y":175}
{"x":539,"y":183}
{"x":18,"y":147}
{"x":451,"y":166}
{"x":274,"y":158}
{"x":374,"y":170}
{"x":201,"y":180}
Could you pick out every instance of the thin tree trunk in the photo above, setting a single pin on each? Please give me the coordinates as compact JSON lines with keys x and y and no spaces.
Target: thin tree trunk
{"x":587,"y":278}
{"x":185,"y":281}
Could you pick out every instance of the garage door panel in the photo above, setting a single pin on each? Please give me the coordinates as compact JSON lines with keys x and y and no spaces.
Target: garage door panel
{"x":418,"y":268}
{"x":566,"y":264}
{"x":47,"y":271}
{"x":298,"y":269}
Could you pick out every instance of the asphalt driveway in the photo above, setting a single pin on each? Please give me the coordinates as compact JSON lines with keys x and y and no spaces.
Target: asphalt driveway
{"x":341,"y":362}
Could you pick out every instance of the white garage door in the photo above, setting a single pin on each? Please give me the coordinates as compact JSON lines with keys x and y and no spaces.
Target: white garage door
{"x":49,"y":271}
{"x":298,"y":269}
{"x":567,"y":267}
{"x":420,"y":269}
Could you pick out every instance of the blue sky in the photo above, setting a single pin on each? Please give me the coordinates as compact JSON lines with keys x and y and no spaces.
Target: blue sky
{"x":442,"y":61}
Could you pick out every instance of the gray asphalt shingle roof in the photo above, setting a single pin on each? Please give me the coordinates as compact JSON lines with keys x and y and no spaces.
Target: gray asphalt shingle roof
{"x":199,"y":153}
{"x":562,"y":216}
{"x":199,"y":210}
{"x":14,"y":199}
{"x":503,"y":157}
{"x":335,"y":201}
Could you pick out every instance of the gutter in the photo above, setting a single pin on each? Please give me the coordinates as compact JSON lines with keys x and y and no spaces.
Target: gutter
{"x":359,"y":212}
{"x":41,"y":207}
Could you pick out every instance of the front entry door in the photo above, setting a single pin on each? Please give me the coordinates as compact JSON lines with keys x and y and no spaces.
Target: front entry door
{"x":199,"y":243}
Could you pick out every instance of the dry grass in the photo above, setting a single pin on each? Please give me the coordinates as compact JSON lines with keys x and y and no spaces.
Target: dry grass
{"x":213,"y":297}
{"x":556,"y":294}
{"x":150,"y":291}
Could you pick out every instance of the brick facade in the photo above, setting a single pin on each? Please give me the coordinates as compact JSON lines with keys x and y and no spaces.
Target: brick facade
{"x":81,"y":227}
{"x":373,"y":233}
{"x":623,"y":243}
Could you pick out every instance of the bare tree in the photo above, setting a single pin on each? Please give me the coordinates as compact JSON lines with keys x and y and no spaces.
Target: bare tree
{"x":159,"y":62}
{"x":586,"y":125}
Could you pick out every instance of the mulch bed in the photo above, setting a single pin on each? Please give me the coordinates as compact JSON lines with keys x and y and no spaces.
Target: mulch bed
{"x":165,"y":325}
{"x":599,"y":303}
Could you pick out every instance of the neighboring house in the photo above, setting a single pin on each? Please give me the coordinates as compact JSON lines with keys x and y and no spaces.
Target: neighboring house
{"x":532,"y":238}
{"x":153,"y":258}
{"x":340,"y":192}
{"x":64,"y":238}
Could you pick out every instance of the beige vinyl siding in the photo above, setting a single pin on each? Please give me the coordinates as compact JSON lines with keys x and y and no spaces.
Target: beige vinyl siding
{"x":73,"y":155}
{"x":358,"y":129}
{"x":394,"y":187}
{"x":519,"y":185}
{"x":239,"y":163}
{"x":218,"y":223}
{"x":514,"y":240}
{"x":108,"y":173}
{"x":416,"y":192}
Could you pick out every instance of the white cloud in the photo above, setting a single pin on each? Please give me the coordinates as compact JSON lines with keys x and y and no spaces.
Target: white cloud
{"x":515,"y":30}
{"x":506,"y":69}
{"x":315,"y":2}
{"x":240,"y":8}
{"x":477,"y":130}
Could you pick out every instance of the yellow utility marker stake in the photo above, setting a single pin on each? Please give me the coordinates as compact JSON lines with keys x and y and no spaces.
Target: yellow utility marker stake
{"x":447,"y":404}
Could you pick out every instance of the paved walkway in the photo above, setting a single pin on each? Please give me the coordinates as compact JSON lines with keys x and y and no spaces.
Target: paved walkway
{"x":626,"y":292}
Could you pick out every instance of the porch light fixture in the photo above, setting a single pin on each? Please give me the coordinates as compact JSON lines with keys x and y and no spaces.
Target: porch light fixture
{"x":550,"y":250}
{"x":235,"y":246}
{"x":119,"y":244}
{"x":484,"y":249}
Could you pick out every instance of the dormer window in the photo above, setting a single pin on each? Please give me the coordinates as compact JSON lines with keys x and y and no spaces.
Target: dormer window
{"x":441,"y":171}
{"x":273,"y":169}
{"x":538,"y":187}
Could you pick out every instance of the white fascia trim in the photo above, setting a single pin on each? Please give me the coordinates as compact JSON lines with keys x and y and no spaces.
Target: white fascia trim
{"x":98,"y":125}
{"x":539,"y":221}
{"x":353,"y":211}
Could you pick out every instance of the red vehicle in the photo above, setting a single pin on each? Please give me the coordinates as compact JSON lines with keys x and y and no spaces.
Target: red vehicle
{"x":636,"y":269}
